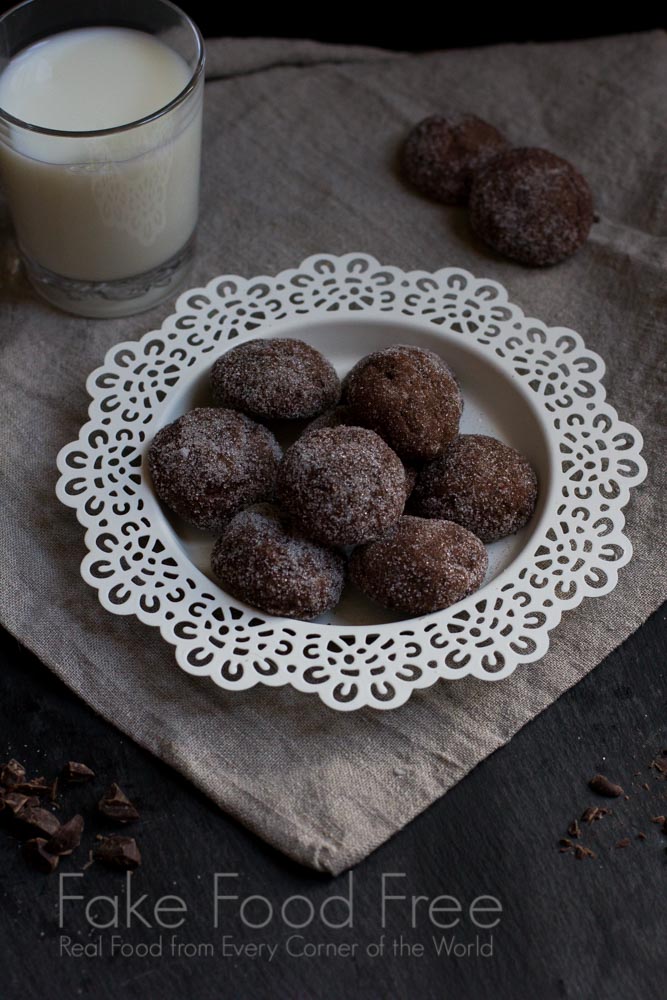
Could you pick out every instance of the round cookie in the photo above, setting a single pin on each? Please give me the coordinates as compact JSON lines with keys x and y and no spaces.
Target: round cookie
{"x":342,"y":485}
{"x":480,"y":483}
{"x":210,"y":463}
{"x":409,"y":397}
{"x":420,"y":566}
{"x":277,"y":378}
{"x":341,"y":416}
{"x":260,"y":561}
{"x":442,"y":154}
{"x":531,"y":206}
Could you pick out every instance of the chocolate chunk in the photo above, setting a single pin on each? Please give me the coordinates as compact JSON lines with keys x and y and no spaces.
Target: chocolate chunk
{"x":67,"y":838}
{"x":594,"y":813}
{"x":574,"y":829}
{"x":625,"y":842}
{"x":121,"y":853}
{"x":603,"y":786}
{"x":115,"y":805}
{"x":75,"y":774}
{"x":36,"y":854}
{"x":14,"y":802}
{"x":659,"y":819}
{"x":33,"y":821}
{"x":11,"y":773}
{"x":583,"y":852}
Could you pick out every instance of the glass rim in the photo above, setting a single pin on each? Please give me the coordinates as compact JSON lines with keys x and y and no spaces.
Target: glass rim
{"x":138,"y":122}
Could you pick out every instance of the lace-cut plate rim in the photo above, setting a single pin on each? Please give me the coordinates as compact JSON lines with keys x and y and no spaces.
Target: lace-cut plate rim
{"x":536,"y":387}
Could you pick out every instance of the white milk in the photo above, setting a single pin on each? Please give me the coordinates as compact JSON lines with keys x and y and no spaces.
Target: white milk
{"x":100,"y":208}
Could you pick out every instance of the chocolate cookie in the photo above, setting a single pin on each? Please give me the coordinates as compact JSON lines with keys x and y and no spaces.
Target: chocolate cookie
{"x":278,"y":378}
{"x":420,"y":566}
{"x":262,"y":562}
{"x":210,"y":463}
{"x":480,"y":483}
{"x":342,"y":416}
{"x":531,"y":206}
{"x":409,"y":397}
{"x":442,"y":154}
{"x":342,"y":485}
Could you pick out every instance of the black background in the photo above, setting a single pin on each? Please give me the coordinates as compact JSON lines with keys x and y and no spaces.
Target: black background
{"x":569,"y":929}
{"x":431,"y":26}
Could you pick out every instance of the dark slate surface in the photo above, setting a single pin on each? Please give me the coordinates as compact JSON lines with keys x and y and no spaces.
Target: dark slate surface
{"x":568,"y":928}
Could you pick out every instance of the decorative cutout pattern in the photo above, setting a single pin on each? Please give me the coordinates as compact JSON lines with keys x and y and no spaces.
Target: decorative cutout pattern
{"x":138,"y":569}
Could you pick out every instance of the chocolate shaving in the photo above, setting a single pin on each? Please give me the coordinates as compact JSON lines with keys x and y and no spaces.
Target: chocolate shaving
{"x":564,"y":842}
{"x":583,"y":852}
{"x":662,"y":820}
{"x":115,"y":805}
{"x":120,"y":853}
{"x":625,"y":842}
{"x":603,"y":786}
{"x":36,"y":854}
{"x":641,"y":836}
{"x":67,"y":838}
{"x":74,"y":773}
{"x":12,"y":773}
{"x":36,"y":786}
{"x":594,"y":813}
{"x":659,"y":764}
{"x":574,"y":829}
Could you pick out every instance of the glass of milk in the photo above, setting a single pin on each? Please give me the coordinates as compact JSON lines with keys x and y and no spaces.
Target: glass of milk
{"x":100,"y":138}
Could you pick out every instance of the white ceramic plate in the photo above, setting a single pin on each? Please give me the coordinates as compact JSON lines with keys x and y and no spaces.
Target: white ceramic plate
{"x":534,"y":387}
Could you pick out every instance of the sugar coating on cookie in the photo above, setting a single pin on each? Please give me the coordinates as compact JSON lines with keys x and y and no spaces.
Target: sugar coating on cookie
{"x":443,"y":152}
{"x":409,"y":396}
{"x":275,"y":378}
{"x":531,"y":206}
{"x":342,"y":485}
{"x":420,"y":566}
{"x":262,"y":561}
{"x":342,"y":416}
{"x":212,"y":462}
{"x":482,"y":484}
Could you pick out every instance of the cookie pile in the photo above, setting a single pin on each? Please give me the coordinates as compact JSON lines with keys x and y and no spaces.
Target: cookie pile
{"x":379,"y":486}
{"x":527,"y":204}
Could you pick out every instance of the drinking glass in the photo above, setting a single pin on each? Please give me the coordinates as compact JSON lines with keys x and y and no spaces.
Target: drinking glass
{"x":105,"y":220}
